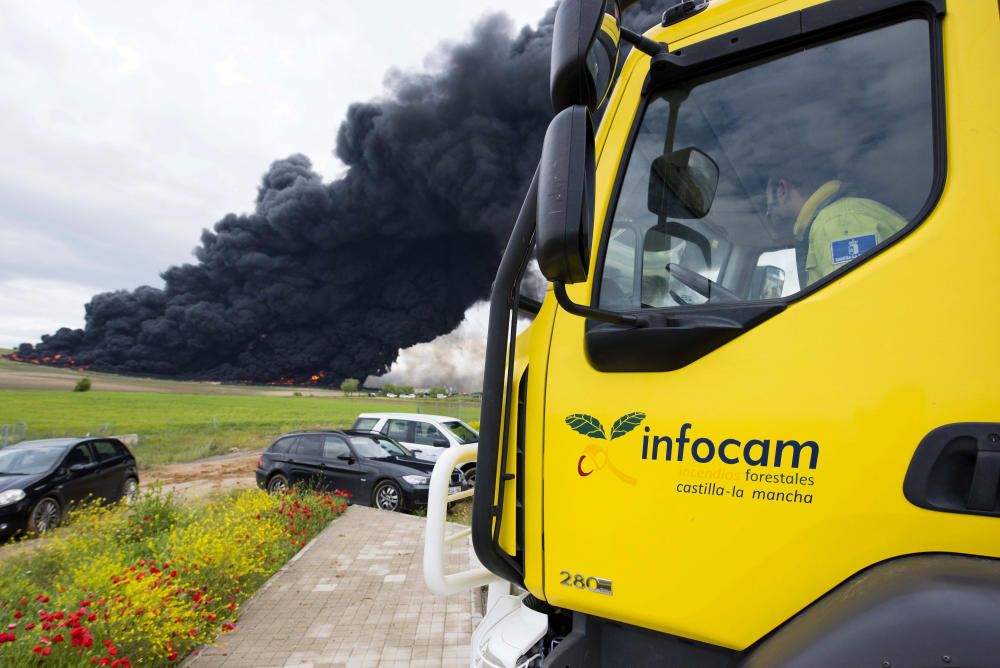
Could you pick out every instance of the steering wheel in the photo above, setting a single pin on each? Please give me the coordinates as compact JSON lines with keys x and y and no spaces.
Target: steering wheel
{"x":705,"y":287}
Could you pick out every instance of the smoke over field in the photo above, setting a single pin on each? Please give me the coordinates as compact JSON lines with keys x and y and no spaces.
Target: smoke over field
{"x":328,"y":280}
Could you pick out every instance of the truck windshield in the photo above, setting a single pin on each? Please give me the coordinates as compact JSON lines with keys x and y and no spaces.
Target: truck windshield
{"x":822,"y":155}
{"x":462,"y":431}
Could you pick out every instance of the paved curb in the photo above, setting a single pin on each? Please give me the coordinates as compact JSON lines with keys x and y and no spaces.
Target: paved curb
{"x":353,"y":597}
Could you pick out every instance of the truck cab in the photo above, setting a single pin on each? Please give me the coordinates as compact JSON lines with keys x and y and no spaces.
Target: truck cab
{"x":756,"y":419}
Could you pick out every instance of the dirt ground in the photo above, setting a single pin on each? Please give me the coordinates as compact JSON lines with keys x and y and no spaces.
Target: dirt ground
{"x":203,"y":477}
{"x":23,"y":376}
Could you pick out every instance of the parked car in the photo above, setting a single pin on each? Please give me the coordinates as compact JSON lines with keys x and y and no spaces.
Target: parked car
{"x":425,"y":435}
{"x":39,"y":480}
{"x":374,"y":469}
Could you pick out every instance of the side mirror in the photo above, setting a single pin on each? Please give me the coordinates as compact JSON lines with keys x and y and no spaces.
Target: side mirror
{"x":79,"y":468}
{"x":682,"y":184}
{"x":566,"y":197}
{"x":584,"y":52}
{"x":768,"y":282}
{"x":440,"y":443}
{"x":347,"y":458}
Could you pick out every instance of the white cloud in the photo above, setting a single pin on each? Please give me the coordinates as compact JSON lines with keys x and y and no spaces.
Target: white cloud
{"x":31,"y":307}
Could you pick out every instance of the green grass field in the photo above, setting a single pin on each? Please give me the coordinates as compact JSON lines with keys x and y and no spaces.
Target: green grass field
{"x":175,"y":427}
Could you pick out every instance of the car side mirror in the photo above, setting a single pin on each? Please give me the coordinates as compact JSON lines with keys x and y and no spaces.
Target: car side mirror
{"x":768,"y":282}
{"x":347,"y":458}
{"x":79,"y":468}
{"x":440,"y":443}
{"x":682,"y":184}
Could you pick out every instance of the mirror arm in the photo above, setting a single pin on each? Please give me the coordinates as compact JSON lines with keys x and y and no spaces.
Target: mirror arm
{"x":594,"y":313}
{"x":642,"y":43}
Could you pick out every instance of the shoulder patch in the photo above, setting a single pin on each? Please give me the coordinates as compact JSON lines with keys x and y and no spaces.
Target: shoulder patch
{"x":847,"y":249}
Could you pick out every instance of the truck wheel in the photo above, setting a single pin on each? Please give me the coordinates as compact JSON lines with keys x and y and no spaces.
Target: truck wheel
{"x":387,"y":496}
{"x":278,"y":483}
{"x":44,"y":516}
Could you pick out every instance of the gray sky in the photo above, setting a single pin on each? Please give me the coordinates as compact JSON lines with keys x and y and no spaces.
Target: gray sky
{"x":128,"y":127}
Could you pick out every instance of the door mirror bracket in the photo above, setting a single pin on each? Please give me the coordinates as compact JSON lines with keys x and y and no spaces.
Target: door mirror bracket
{"x":594,"y":313}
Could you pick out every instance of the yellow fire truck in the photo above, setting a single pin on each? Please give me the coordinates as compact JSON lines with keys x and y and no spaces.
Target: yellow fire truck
{"x":756,"y":419}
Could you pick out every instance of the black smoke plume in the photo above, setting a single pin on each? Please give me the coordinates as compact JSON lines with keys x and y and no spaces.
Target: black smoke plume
{"x":330,"y":280}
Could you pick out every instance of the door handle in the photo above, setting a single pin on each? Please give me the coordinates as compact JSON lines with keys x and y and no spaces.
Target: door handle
{"x":985,"y":474}
{"x":956,"y":468}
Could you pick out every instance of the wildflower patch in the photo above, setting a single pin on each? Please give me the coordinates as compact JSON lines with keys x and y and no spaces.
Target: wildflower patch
{"x":146,"y":584}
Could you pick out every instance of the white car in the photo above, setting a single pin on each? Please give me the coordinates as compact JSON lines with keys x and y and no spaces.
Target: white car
{"x":425,"y":435}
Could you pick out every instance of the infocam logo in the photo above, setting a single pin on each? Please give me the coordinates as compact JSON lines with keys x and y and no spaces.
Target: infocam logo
{"x":596,"y":456}
{"x":752,"y":452}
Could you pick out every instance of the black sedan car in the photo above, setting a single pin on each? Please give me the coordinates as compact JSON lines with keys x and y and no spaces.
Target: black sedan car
{"x":39,"y":480}
{"x":376,"y":470}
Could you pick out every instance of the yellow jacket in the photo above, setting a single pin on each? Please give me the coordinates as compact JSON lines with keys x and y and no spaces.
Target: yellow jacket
{"x":841,"y":229}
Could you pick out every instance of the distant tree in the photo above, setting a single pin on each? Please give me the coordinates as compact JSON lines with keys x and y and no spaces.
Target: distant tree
{"x":389,"y":389}
{"x":82,"y":385}
{"x":436,"y":390}
{"x":350,"y":385}
{"x":404,"y":389}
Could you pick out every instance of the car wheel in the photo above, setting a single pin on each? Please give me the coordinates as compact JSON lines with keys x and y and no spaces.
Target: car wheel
{"x":277,"y":483}
{"x":470,"y":474}
{"x":44,"y":516}
{"x":130,"y":491}
{"x":387,"y":496}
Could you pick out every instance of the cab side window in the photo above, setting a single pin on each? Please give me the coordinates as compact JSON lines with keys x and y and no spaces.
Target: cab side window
{"x":763,"y":181}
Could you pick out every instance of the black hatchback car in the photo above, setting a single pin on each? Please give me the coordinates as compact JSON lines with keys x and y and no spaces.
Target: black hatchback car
{"x":376,"y":470}
{"x":39,"y":480}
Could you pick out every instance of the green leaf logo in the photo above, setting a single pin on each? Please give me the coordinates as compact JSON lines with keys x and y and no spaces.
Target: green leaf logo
{"x":587,"y":425}
{"x":626,"y":423}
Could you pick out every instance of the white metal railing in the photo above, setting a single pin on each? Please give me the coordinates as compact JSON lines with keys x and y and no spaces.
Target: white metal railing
{"x":436,"y":538}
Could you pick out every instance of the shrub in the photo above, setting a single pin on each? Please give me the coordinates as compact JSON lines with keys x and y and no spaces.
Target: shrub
{"x":82,"y":385}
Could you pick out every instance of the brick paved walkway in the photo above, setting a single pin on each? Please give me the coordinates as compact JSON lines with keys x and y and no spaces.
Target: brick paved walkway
{"x":354,"y":598}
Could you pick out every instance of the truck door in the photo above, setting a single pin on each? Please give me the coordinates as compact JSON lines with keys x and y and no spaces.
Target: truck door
{"x":715,"y":471}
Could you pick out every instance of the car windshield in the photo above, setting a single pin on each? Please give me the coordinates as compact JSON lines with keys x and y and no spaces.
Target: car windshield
{"x":464,"y":432}
{"x":25,"y":461}
{"x":373,"y":447}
